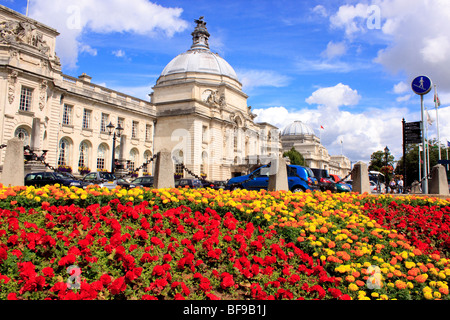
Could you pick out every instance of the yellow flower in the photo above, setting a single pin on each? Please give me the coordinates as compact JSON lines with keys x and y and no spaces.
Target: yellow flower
{"x":353,"y":287}
{"x":375,"y":294}
{"x":437,"y":294}
{"x":428,"y":295}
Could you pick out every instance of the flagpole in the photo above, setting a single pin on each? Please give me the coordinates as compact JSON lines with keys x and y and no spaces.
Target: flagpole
{"x":28,"y":4}
{"x":436,"y":101}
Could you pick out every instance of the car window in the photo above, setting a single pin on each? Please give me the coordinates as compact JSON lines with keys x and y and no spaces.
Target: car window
{"x":137,"y":180}
{"x":60,"y":176}
{"x":30,"y":177}
{"x":107,"y":176}
{"x":91,"y":176}
{"x":310,"y":172}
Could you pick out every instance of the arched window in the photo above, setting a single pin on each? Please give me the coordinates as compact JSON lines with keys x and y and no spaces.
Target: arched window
{"x":83,"y":160}
{"x":147,"y":156}
{"x":23,"y":135}
{"x":134,"y":156}
{"x":204,"y":165}
{"x":179,"y":156}
{"x":101,"y":156}
{"x":63,"y":158}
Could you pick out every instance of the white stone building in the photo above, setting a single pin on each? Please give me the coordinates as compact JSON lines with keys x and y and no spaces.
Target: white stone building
{"x":197,"y":109}
{"x":302,"y":137}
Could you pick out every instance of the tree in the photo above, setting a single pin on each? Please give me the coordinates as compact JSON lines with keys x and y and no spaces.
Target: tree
{"x":412,"y":160}
{"x":295,"y":157}
{"x":378,"y":160}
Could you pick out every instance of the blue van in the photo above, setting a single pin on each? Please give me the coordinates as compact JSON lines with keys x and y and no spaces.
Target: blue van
{"x":299,"y":179}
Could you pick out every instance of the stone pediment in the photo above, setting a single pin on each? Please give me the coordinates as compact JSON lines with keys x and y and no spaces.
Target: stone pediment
{"x":26,"y":33}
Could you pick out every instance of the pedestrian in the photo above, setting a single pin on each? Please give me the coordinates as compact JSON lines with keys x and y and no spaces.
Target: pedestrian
{"x":400,"y":185}
{"x":392,"y":185}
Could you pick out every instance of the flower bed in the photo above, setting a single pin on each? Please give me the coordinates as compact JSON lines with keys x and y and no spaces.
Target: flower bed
{"x":133,"y":244}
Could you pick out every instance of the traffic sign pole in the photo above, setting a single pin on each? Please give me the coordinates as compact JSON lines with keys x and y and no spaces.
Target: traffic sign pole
{"x":422,"y":85}
{"x":425,"y":180}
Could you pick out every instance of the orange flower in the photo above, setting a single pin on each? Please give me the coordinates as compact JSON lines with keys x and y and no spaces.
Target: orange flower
{"x":414,"y":272}
{"x":443,"y":290}
{"x":360,"y":283}
{"x":350,"y":278}
{"x":331,"y":244}
{"x":421,"y":278}
{"x":393,"y":261}
{"x":400,"y":284}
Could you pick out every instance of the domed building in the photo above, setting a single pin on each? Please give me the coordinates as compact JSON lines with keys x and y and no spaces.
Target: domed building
{"x":303,"y":138}
{"x":197,"y":110}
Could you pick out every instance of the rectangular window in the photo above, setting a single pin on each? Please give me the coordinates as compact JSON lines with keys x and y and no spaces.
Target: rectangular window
{"x":205,"y":134}
{"x":121,"y":121}
{"x":134,"y":130}
{"x":104,"y":122}
{"x":26,"y":95}
{"x":67,"y":114}
{"x":148,"y":132}
{"x":87,"y":119}
{"x":100,"y":163}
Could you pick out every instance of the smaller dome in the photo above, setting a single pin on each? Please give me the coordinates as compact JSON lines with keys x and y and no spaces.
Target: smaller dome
{"x":297,"y":128}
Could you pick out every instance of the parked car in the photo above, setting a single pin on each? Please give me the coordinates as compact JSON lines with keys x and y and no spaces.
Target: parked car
{"x":102,"y":179}
{"x":40,"y":179}
{"x":324,"y":179}
{"x":341,"y":186}
{"x":299,"y":179}
{"x":188,"y":182}
{"x":145,"y":181}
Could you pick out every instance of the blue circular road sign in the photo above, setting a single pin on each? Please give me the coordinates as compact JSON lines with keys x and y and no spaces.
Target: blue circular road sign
{"x":421,"y":85}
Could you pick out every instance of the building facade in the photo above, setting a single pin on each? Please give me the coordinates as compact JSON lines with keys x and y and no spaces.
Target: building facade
{"x":197,"y":109}
{"x":302,"y":137}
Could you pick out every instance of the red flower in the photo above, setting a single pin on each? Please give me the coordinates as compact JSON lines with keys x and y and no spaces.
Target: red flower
{"x":48,"y":272}
{"x":158,"y":271}
{"x":117,"y":286}
{"x":105,"y":279}
{"x":227,"y":281}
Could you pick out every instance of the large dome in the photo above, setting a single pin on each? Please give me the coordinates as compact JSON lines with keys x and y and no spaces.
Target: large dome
{"x":199,"y":61}
{"x":297,"y":128}
{"x":200,"y":58}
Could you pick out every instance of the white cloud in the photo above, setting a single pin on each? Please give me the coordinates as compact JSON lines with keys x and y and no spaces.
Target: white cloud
{"x":415,"y":35}
{"x":320,"y":10}
{"x":75,"y":17}
{"x":339,"y":95}
{"x":401,"y":87}
{"x":119,"y":53}
{"x":351,"y":18}
{"x":334,"y":49}
{"x":261,"y":78}
{"x":404,"y":98}
{"x":373,"y":128}
{"x":88,"y":49}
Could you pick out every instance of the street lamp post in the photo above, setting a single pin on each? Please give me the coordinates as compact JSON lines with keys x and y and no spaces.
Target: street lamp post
{"x":386,"y":154}
{"x":116,"y":132}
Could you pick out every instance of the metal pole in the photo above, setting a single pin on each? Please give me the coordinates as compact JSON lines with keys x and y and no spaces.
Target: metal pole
{"x":425,"y":180}
{"x":437,"y":120}
{"x":404,"y":155}
{"x":113,"y":153}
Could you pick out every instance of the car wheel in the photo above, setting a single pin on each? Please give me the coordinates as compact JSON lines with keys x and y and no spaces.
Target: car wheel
{"x":298,"y":189}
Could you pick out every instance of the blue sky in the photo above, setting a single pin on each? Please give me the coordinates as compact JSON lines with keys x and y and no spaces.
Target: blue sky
{"x":344,"y":65}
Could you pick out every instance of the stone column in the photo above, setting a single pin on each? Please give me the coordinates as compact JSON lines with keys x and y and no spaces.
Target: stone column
{"x":278,"y":179}
{"x":164,"y":171}
{"x":120,"y":170}
{"x":34,"y":165}
{"x":13,"y":170}
{"x":439,"y":184}
{"x":35,"y":135}
{"x":360,"y":177}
